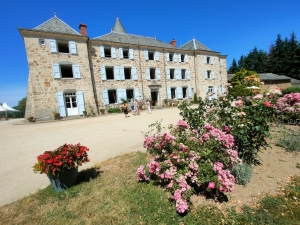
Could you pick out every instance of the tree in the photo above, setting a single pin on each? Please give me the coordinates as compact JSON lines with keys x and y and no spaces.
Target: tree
{"x":234,"y":67}
{"x":241,"y":62}
{"x":21,"y":106}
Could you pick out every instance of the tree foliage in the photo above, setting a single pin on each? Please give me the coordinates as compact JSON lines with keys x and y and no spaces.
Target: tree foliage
{"x":21,"y":106}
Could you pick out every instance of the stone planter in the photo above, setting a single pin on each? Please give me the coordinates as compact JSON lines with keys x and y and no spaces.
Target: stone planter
{"x":64,"y":180}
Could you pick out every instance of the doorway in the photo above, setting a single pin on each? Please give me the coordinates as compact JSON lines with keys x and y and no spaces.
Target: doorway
{"x":155,"y":98}
{"x":71,"y":103}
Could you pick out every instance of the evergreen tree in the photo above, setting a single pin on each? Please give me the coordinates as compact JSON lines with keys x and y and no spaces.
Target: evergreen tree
{"x":234,"y":67}
{"x":293,"y":57}
{"x":241,"y":63}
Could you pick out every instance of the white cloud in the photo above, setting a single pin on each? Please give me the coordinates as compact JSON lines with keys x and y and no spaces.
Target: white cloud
{"x":12,"y":94}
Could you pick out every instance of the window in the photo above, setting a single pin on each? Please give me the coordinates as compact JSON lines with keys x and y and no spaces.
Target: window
{"x":210,"y":89}
{"x":183,"y":74}
{"x":107,"y":52}
{"x":182,"y":58}
{"x":63,"y":47}
{"x":151,"y":55}
{"x":208,"y":74}
{"x":152,"y":74}
{"x":126,"y":53}
{"x":173,"y":93}
{"x":127,"y":73}
{"x":42,"y":41}
{"x":184,"y":92}
{"x":220,"y":74}
{"x":109,"y":71}
{"x":171,"y":57}
{"x":112,"y":96}
{"x":130,"y":93}
{"x":220,"y":62}
{"x":172,"y":73}
{"x":207,"y":60}
{"x":66,"y":71}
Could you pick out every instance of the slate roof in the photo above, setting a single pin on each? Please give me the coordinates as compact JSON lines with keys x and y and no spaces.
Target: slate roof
{"x":118,"y":27}
{"x":56,"y":25}
{"x":194,"y":45}
{"x":266,"y":77}
{"x":118,"y":34}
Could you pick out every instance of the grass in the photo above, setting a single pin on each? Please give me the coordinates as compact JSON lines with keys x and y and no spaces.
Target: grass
{"x":289,"y":140}
{"x":110,"y":194}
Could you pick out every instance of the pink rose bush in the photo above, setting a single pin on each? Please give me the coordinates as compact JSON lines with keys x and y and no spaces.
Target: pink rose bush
{"x":185,"y":159}
{"x":289,"y":105}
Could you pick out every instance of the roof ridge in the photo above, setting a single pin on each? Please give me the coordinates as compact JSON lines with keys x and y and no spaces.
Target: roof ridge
{"x":194,"y":44}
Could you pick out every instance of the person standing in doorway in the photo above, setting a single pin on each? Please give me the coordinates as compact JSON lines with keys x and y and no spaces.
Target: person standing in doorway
{"x":149,"y":106}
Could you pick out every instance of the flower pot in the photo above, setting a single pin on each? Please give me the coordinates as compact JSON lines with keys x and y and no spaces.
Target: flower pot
{"x":64,"y":180}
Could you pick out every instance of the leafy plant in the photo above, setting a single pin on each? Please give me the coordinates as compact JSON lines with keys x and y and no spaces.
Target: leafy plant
{"x":293,"y":89}
{"x":195,"y":101}
{"x":242,"y":173}
{"x":64,"y":157}
{"x":56,"y":116}
{"x":31,"y":119}
{"x":114,"y":110}
{"x":290,"y":140}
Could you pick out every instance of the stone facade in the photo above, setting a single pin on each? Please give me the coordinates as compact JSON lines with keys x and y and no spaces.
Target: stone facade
{"x":93,"y":81}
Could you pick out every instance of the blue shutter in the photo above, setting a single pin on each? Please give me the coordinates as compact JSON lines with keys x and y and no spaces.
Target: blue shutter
{"x":121,"y":53}
{"x":131,"y":56}
{"x":168,"y":74}
{"x":113,"y":52}
{"x":61,"y":104}
{"x":53,"y":46}
{"x":216,"y":91}
{"x":177,"y":74}
{"x":169,"y":93}
{"x":205,"y":75}
{"x":122,"y":76}
{"x":188,"y":74}
{"x":186,"y":58}
{"x":211,"y":60}
{"x":102,"y":51}
{"x":157,"y":73}
{"x":179,"y":57}
{"x":167,"y":56}
{"x":80,"y":102}
{"x":136,"y":94}
{"x":190,"y":92}
{"x":124,"y":95}
{"x":119,"y":95}
{"x":56,"y":70}
{"x":179,"y":93}
{"x":156,"y":55}
{"x":105,"y":97}
{"x":103,"y":73}
{"x":133,"y":73}
{"x":205,"y":59}
{"x":76,"y":71}
{"x":148,"y":73}
{"x":213,"y":74}
{"x":146,"y":54}
{"x":175,"y":57}
{"x":72,"y":47}
{"x":221,"y":62}
{"x":117,"y":73}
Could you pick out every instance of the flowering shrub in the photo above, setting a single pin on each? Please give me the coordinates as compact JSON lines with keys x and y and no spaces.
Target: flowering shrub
{"x":64,"y":157}
{"x":289,"y":106}
{"x":188,"y":159}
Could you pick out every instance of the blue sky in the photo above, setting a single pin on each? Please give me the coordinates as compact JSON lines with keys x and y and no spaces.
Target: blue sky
{"x":232,"y":27}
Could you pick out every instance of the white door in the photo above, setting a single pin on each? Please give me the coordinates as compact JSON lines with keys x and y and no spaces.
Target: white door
{"x":71,"y":104}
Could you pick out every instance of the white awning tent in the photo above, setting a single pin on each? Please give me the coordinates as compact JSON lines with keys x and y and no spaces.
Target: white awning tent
{"x":7,"y":108}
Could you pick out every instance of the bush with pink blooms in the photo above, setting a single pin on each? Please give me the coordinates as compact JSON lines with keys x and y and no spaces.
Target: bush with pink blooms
{"x":289,"y":107}
{"x":186,"y":160}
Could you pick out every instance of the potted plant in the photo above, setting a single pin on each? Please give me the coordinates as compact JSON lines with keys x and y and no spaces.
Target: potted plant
{"x":56,"y":116}
{"x":102,"y":111}
{"x":61,"y":164}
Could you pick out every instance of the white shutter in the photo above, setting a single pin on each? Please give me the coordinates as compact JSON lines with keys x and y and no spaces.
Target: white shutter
{"x":188,"y":74}
{"x":177,"y":74}
{"x":157,"y":71}
{"x":131,"y":53}
{"x":80,"y":102}
{"x":122,"y":76}
{"x":121,"y":53}
{"x":211,"y":60}
{"x":136,"y":94}
{"x":56,"y":70}
{"x":186,"y":58}
{"x":205,"y":75}
{"x":103,"y":73}
{"x":179,"y":57}
{"x":222,"y":89}
{"x":205,"y":59}
{"x":146,"y":55}
{"x":53,"y":46}
{"x":133,"y":73}
{"x":105,"y":97}
{"x":61,"y":104}
{"x":156,"y":55}
{"x":76,"y":71}
{"x":213,"y":74}
{"x":102,"y":51}
{"x":221,"y":62}
{"x":168,"y":74}
{"x":113,"y":52}
{"x":72,"y":47}
{"x":117,"y":72}
{"x":179,"y":93}
{"x":175,"y":57}
{"x":216,"y":91}
{"x":169,"y":93}
{"x":207,"y":89}
{"x":190,"y":94}
{"x":148,"y":73}
{"x":167,"y":56}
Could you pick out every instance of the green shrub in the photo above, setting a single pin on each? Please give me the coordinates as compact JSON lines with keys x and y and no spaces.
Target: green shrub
{"x":114,"y":110}
{"x":290,"y":141}
{"x":242,"y":173}
{"x":291,"y":90}
{"x":195,"y":98}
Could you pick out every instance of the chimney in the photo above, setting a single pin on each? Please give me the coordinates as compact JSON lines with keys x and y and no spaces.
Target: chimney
{"x":83,"y":30}
{"x":173,"y":42}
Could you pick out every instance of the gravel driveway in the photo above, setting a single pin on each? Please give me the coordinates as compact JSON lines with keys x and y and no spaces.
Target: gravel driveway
{"x":106,"y":136}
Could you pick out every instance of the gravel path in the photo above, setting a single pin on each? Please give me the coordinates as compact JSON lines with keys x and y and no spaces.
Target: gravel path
{"x":106,"y":136}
